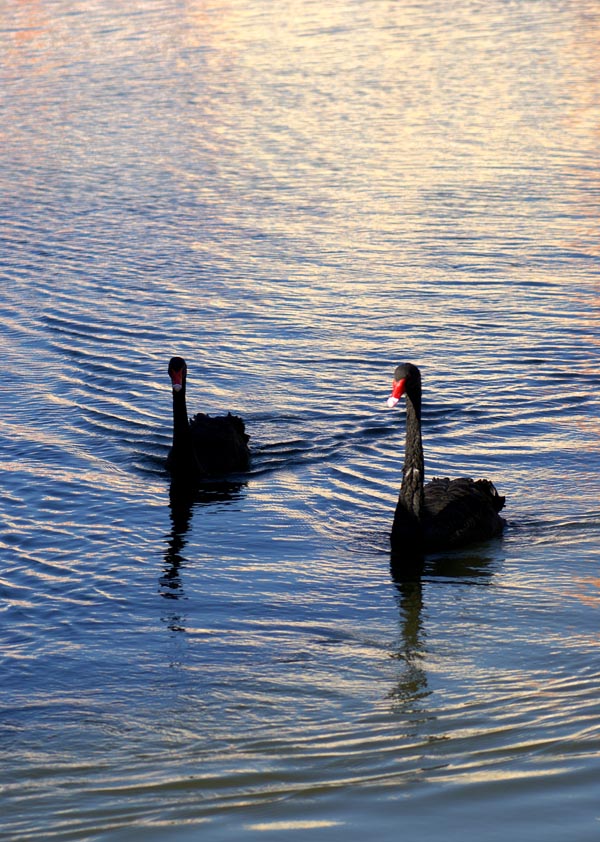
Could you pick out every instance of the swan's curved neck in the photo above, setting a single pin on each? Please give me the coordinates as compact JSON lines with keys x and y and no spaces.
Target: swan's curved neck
{"x":411,"y":491}
{"x":181,"y":425}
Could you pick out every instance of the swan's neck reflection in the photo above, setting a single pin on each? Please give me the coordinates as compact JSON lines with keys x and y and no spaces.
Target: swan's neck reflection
{"x":180,"y":511}
{"x":412,"y":682}
{"x":183,"y":499}
{"x":410,"y":575}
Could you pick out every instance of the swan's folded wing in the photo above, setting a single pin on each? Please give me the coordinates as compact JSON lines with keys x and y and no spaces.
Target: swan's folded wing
{"x":220,"y":444}
{"x":461,"y":511}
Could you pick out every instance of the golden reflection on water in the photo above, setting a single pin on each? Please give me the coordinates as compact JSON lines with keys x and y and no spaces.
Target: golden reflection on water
{"x":32,"y":24}
{"x":589,"y":586}
{"x":279,"y":826}
{"x":269,"y":89}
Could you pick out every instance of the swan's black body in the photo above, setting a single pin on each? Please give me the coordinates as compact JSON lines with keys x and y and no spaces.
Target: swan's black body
{"x":203,"y":446}
{"x":443,"y":513}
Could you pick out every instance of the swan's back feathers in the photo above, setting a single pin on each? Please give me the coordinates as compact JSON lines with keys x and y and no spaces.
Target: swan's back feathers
{"x":220,"y":444}
{"x":461,"y":511}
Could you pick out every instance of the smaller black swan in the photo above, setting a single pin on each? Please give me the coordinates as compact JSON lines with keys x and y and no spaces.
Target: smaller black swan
{"x":203,"y":446}
{"x":443,"y":513}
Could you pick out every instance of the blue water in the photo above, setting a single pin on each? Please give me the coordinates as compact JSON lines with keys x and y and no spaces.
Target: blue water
{"x":296,"y":197}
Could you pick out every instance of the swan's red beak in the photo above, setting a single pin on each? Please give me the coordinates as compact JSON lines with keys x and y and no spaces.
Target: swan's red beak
{"x":177,"y":379}
{"x":398,"y":389}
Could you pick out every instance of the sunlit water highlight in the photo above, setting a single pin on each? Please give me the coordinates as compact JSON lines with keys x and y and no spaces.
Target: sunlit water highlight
{"x":296,"y":197}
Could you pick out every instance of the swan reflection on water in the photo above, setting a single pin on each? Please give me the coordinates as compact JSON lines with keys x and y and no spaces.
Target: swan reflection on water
{"x":409,"y":577}
{"x":462,"y":565}
{"x":183,"y":499}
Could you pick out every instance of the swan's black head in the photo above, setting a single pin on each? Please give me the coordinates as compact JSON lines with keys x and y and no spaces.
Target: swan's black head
{"x":177,"y":373}
{"x":407,"y":379}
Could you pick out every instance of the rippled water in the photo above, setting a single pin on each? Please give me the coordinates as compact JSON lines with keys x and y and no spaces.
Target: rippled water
{"x":296,"y":197}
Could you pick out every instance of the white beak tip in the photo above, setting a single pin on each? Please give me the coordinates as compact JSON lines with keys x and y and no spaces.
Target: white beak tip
{"x":392,"y":401}
{"x":177,"y":387}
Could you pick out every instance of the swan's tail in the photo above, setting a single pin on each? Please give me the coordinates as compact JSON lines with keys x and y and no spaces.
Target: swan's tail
{"x":489,"y":489}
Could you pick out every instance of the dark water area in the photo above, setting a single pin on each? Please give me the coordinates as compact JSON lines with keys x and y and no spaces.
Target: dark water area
{"x":297,"y":197}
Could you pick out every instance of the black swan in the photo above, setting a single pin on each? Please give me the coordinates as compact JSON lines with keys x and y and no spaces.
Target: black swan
{"x":443,"y":513}
{"x":203,"y":446}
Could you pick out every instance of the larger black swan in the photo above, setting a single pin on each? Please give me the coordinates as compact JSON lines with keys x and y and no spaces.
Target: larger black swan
{"x":203,"y":446}
{"x":444,"y":513}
